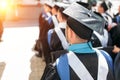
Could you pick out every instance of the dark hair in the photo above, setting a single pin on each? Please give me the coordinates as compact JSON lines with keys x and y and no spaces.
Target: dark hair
{"x":106,"y":6}
{"x":61,"y":9}
{"x":80,"y":29}
{"x":56,"y":7}
{"x":48,"y":5}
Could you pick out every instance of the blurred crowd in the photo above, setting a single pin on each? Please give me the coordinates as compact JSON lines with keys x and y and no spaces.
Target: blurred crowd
{"x":54,"y":41}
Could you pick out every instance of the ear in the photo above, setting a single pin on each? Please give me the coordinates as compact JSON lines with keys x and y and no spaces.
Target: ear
{"x":69,"y":32}
{"x":72,"y":34}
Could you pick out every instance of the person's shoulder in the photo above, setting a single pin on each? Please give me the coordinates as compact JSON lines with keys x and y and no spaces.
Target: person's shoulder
{"x":57,"y":54}
{"x":116,"y":14}
{"x":50,"y":73}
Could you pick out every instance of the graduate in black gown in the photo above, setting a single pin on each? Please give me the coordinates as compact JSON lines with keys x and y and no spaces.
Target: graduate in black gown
{"x":102,"y":9}
{"x":82,"y":62}
{"x":45,"y":23}
{"x":115,"y":34}
{"x":58,"y":40}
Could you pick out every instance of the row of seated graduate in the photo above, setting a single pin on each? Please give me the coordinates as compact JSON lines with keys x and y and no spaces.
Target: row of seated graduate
{"x":52,"y":40}
{"x":52,"y":24}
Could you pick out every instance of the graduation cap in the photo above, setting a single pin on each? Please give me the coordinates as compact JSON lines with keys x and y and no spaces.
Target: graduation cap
{"x":83,"y":21}
{"x":49,"y":3}
{"x":61,"y":4}
{"x":106,"y":5}
{"x":86,"y":5}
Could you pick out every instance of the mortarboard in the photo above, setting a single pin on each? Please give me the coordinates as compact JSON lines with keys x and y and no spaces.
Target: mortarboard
{"x":86,"y":5}
{"x":83,"y":21}
{"x":106,"y":5}
{"x":103,"y":4}
{"x":49,"y":3}
{"x":61,"y":4}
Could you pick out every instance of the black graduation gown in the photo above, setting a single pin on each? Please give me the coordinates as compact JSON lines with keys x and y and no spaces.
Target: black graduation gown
{"x":44,"y":41}
{"x":95,"y":41}
{"x":38,"y":42}
{"x":44,"y":26}
{"x":117,"y":67}
{"x":89,"y":60}
{"x":55,"y":42}
{"x":115,"y":34}
{"x":56,"y":45}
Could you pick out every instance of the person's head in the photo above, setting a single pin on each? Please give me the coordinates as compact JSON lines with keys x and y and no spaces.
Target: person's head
{"x":60,"y":15}
{"x":81,"y":23}
{"x":47,"y":7}
{"x":104,"y":6}
{"x":55,"y":9}
{"x":76,"y":32}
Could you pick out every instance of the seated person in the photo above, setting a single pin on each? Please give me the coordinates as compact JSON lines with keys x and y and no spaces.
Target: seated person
{"x":82,"y":62}
{"x":58,"y":40}
{"x":45,"y":25}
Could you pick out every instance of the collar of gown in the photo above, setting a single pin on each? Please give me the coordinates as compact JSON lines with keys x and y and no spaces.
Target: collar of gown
{"x":81,"y":48}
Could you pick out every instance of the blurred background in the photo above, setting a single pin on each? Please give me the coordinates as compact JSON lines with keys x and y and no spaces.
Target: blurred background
{"x":20,"y":22}
{"x":30,"y":9}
